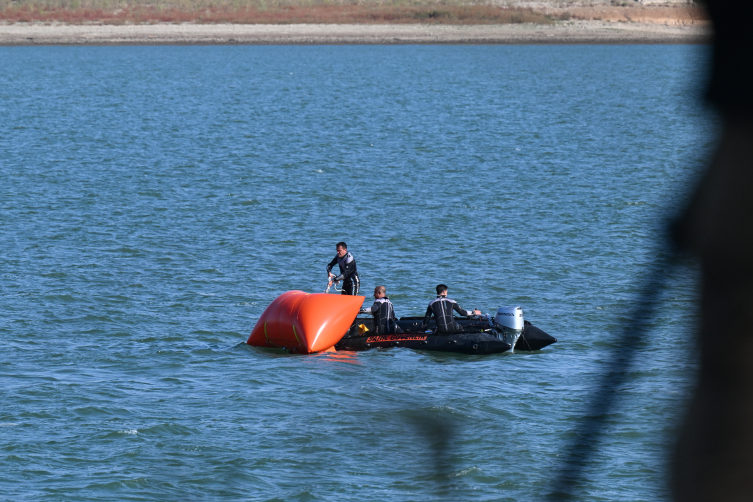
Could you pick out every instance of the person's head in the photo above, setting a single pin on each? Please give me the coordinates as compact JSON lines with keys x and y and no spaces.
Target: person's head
{"x":442,"y":290}
{"x":380,"y":292}
{"x":341,"y":249}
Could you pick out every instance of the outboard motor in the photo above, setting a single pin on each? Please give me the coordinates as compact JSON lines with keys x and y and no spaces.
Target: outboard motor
{"x":509,"y":324}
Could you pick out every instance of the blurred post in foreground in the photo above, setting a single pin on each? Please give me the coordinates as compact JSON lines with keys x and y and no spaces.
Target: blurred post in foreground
{"x":714,"y":454}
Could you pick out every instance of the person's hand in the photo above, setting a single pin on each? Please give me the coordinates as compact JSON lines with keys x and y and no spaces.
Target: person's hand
{"x":330,"y":274}
{"x":329,"y":285}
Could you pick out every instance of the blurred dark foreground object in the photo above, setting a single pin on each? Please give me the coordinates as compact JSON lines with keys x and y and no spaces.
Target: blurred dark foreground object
{"x":714,"y":454}
{"x":713,"y":459}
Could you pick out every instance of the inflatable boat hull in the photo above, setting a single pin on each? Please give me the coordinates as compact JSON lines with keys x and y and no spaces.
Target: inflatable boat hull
{"x":477,"y":340}
{"x":533,"y":338}
{"x":465,"y":343}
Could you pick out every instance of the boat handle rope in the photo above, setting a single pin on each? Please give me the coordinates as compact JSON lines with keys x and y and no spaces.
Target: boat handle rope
{"x":330,"y":285}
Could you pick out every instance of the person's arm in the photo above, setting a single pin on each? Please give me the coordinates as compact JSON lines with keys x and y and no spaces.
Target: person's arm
{"x":331,"y":264}
{"x":459,"y":310}
{"x":463,"y":312}
{"x":427,"y":318}
{"x":350,"y":269}
{"x":371,"y":310}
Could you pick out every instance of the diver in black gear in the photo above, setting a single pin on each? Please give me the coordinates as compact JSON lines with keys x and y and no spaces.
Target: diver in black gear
{"x":384,"y":313}
{"x":442,"y":309}
{"x":348,"y":270}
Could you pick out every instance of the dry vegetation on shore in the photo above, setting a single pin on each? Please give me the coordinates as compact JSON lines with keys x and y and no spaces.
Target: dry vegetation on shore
{"x":289,"y":14}
{"x":118,"y":12}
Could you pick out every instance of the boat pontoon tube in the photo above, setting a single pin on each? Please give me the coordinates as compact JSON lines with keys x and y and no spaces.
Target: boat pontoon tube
{"x":305,"y":322}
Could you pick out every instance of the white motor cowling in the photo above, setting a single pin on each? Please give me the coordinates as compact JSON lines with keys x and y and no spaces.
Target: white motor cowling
{"x":510,"y":317}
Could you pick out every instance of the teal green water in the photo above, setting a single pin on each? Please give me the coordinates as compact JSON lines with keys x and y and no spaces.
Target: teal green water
{"x":153,"y":201}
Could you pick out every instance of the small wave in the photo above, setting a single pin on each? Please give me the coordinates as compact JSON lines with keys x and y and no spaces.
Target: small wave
{"x":93,"y":332}
{"x":8,"y":424}
{"x":95,"y":318}
{"x":62,"y":298}
{"x":15,"y":458}
{"x":118,"y":298}
{"x":170,"y":379}
{"x":167,"y":429}
{"x":55,"y":275}
{"x":88,"y":411}
{"x":126,"y":250}
{"x":116,"y":486}
{"x":153,"y":193}
{"x":463,"y":472}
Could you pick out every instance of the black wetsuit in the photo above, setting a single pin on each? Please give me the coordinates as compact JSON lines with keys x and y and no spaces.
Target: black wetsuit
{"x":384,"y":317}
{"x":442,"y":309}
{"x":348,"y":273}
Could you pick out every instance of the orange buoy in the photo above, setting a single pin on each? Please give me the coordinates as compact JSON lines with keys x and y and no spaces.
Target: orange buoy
{"x":305,"y":322}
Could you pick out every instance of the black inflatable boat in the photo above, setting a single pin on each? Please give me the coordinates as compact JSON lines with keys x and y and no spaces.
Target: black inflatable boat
{"x":479,"y":336}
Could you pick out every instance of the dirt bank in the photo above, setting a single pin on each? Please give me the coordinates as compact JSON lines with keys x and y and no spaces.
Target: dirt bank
{"x":570,"y":32}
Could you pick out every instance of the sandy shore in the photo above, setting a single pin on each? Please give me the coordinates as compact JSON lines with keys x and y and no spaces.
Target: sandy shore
{"x":566,"y":32}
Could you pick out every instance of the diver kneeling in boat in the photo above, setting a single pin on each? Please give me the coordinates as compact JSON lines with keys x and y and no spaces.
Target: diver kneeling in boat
{"x":348,"y":270}
{"x":384,"y":313}
{"x":442,"y":309}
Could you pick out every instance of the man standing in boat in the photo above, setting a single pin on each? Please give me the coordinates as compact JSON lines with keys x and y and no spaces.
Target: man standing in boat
{"x":348,"y":270}
{"x":383,"y":312}
{"x":442,"y":308}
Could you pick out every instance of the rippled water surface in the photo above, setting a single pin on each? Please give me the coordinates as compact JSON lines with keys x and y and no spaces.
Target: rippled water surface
{"x":154,"y":200}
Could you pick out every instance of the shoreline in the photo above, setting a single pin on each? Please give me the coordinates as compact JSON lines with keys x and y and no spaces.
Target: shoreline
{"x":559,"y":33}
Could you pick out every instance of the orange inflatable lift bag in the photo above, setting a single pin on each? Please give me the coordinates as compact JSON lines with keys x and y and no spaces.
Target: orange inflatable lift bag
{"x":305,"y":322}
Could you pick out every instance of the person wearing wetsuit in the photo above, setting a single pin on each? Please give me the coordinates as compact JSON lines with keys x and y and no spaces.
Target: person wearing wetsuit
{"x":383,"y":312}
{"x":441,"y":309}
{"x":348,"y":270}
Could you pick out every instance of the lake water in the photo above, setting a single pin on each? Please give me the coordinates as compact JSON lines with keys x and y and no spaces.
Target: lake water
{"x":154,"y":200}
